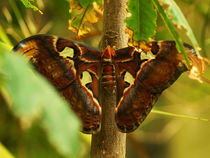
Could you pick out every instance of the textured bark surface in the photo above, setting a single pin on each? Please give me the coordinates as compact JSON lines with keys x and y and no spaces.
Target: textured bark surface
{"x":113,"y":24}
{"x":110,"y":142}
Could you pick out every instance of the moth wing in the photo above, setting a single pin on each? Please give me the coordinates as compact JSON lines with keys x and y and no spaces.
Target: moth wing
{"x":154,"y":76}
{"x":62,"y":61}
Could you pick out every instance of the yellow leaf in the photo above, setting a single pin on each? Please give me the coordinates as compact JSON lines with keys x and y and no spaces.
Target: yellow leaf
{"x":197,"y":69}
{"x":4,"y":153}
{"x":91,"y":16}
{"x":82,"y":18}
{"x":74,"y":4}
{"x":197,"y":66}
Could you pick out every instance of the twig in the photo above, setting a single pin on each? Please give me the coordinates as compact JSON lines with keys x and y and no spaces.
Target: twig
{"x":109,"y":142}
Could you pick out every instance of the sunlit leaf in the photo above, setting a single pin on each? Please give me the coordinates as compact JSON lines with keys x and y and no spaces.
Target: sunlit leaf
{"x":3,"y":48}
{"x":28,"y":4}
{"x":33,"y":97}
{"x":4,"y":153}
{"x":179,"y":115}
{"x":172,"y":30}
{"x":83,"y":14}
{"x":178,"y":19}
{"x":4,"y":37}
{"x":142,"y":22}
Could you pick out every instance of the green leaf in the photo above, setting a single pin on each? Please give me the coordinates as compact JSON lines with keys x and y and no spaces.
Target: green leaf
{"x":142,"y":20}
{"x":172,"y":30}
{"x":4,"y":153}
{"x":63,"y":128}
{"x":33,"y":97}
{"x":77,"y":22}
{"x":175,"y":14}
{"x":179,"y":115}
{"x":82,"y":16}
{"x":3,"y":48}
{"x":28,"y":4}
{"x":4,"y":37}
{"x":86,"y":3}
{"x":100,"y":2}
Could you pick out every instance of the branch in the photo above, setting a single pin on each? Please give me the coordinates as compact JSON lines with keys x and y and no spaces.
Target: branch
{"x":109,"y":142}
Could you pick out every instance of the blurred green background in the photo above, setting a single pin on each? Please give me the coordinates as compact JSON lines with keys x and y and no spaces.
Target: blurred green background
{"x":159,"y":136}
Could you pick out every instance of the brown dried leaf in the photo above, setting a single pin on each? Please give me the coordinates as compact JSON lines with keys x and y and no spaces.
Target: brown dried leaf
{"x":139,"y":45}
{"x":197,"y":67}
{"x":74,"y":4}
{"x":83,"y":18}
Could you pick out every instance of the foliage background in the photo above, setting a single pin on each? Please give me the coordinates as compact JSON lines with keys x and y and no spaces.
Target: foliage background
{"x":159,"y":136}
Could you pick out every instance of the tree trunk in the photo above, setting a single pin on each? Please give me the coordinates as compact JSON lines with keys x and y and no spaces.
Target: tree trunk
{"x":110,"y":142}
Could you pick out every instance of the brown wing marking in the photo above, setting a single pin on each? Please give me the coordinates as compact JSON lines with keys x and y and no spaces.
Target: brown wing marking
{"x":126,"y":60}
{"x":45,"y":53}
{"x":154,"y":76}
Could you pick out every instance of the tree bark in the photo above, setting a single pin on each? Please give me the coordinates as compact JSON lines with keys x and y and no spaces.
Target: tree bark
{"x":110,"y":142}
